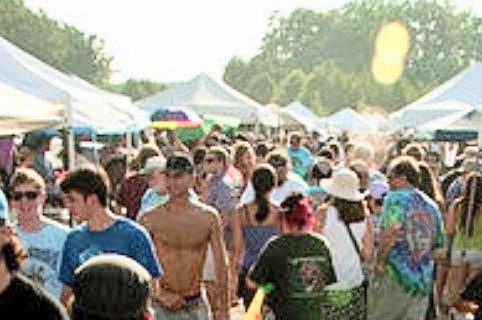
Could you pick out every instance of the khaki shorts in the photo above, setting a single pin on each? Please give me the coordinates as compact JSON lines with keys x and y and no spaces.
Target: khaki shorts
{"x":472,"y":257}
{"x":196,"y":309}
{"x":387,"y":300}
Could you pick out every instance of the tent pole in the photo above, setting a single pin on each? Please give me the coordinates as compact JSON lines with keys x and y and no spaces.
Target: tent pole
{"x":96,"y":152}
{"x":70,"y":135}
{"x":71,"y":146}
{"x":129,"y":141}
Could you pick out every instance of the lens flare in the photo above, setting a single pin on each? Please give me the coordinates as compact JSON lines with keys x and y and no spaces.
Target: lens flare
{"x":392,"y":45}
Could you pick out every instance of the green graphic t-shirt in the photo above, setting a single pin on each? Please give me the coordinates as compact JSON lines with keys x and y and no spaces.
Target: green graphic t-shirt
{"x":300,"y":267}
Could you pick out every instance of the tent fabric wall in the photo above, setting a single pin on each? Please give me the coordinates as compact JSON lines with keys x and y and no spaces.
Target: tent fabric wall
{"x":21,"y":112}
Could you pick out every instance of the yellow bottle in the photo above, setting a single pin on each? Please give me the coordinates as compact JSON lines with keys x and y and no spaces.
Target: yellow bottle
{"x":254,"y":310}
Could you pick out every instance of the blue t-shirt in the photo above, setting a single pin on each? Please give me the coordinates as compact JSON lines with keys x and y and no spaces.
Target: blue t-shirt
{"x":410,"y":261}
{"x":301,"y":159}
{"x":123,"y":237}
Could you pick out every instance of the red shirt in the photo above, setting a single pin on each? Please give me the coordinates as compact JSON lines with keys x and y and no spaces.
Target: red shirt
{"x":130,"y":194}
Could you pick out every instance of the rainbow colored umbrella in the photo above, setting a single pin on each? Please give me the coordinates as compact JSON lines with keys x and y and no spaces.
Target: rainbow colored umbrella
{"x":175,"y":118}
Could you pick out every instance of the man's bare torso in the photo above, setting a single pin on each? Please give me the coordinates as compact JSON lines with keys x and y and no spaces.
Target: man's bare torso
{"x":181,"y":236}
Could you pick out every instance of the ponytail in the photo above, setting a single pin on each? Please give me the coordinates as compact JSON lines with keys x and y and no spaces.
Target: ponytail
{"x":263,"y":207}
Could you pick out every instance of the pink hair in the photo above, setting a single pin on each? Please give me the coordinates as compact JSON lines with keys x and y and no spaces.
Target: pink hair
{"x":298,"y":211}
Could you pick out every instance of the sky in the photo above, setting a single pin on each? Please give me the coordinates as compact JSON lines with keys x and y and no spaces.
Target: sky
{"x":174,"y":40}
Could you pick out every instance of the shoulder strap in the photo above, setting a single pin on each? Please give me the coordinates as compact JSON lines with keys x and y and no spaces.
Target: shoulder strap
{"x":352,"y":238}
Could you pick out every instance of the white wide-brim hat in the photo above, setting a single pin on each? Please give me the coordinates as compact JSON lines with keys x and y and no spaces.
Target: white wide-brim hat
{"x":344,"y":184}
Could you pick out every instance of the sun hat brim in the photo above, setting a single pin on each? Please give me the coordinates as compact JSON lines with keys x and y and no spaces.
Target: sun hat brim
{"x":329,"y":188}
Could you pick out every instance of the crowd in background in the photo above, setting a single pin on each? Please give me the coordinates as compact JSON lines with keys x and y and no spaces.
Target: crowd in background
{"x":336,"y":226}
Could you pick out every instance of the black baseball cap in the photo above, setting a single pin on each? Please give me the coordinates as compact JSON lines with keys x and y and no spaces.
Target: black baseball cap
{"x":179,"y":161}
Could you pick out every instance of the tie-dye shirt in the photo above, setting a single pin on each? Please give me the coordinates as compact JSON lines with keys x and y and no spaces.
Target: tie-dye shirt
{"x":410,"y":260}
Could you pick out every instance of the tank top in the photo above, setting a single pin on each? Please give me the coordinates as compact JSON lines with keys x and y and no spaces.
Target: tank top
{"x":255,"y":236}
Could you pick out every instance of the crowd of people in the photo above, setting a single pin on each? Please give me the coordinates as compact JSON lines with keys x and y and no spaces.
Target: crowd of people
{"x":338,"y":227}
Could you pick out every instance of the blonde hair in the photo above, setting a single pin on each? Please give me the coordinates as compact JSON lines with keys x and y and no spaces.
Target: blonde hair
{"x":27,"y":176}
{"x":240,"y":149}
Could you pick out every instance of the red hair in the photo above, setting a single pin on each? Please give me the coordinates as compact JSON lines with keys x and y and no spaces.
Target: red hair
{"x":298,"y":212}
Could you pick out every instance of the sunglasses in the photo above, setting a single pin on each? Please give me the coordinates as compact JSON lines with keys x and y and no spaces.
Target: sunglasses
{"x":209,"y":160}
{"x":277,"y":163}
{"x":30,"y":195}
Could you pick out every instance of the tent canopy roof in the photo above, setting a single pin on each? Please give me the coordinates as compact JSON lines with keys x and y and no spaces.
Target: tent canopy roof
{"x":300,"y":114}
{"x":454,"y":98}
{"x":205,"y":95}
{"x":464,"y":87}
{"x":85,"y":105}
{"x":349,"y":119}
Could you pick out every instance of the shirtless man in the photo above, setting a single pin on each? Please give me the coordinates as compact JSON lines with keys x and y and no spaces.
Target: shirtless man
{"x":181,"y":230}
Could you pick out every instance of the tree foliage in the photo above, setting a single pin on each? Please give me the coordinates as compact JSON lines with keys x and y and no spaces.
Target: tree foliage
{"x":324,"y":59}
{"x":262,"y":87}
{"x":138,"y":89}
{"x":58,"y":44}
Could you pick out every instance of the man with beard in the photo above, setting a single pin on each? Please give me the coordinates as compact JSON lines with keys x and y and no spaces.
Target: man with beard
{"x":412,"y":229}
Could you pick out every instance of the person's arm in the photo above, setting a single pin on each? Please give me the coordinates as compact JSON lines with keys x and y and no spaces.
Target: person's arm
{"x":221,"y":263}
{"x":368,"y":241}
{"x":238,"y":239}
{"x":261,"y":272}
{"x":387,"y":240}
{"x":69,"y":262}
{"x":320,"y":217}
{"x":451,"y":218}
{"x":66,"y":295}
{"x":225,"y":203}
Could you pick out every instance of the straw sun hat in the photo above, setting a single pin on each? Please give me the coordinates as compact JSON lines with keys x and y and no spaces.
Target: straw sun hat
{"x":344,"y":184}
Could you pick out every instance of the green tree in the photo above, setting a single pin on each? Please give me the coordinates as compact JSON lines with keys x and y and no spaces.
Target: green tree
{"x":334,"y":50}
{"x":236,"y":73}
{"x":261,"y":88}
{"x":58,"y":44}
{"x":138,"y":89}
{"x":291,"y":87}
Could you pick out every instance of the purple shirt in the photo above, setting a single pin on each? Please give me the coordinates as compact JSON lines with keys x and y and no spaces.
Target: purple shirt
{"x":220,"y":194}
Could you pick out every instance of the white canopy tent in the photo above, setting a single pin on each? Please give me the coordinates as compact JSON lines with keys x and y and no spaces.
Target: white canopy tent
{"x":378,"y":120}
{"x":467,"y":120}
{"x":459,"y":95}
{"x":121,"y":103}
{"x":84,"y":106}
{"x":350,"y":120}
{"x":205,"y":95}
{"x":298,"y":113}
{"x":440,"y":115}
{"x":471,"y":120}
{"x":21,"y":112}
